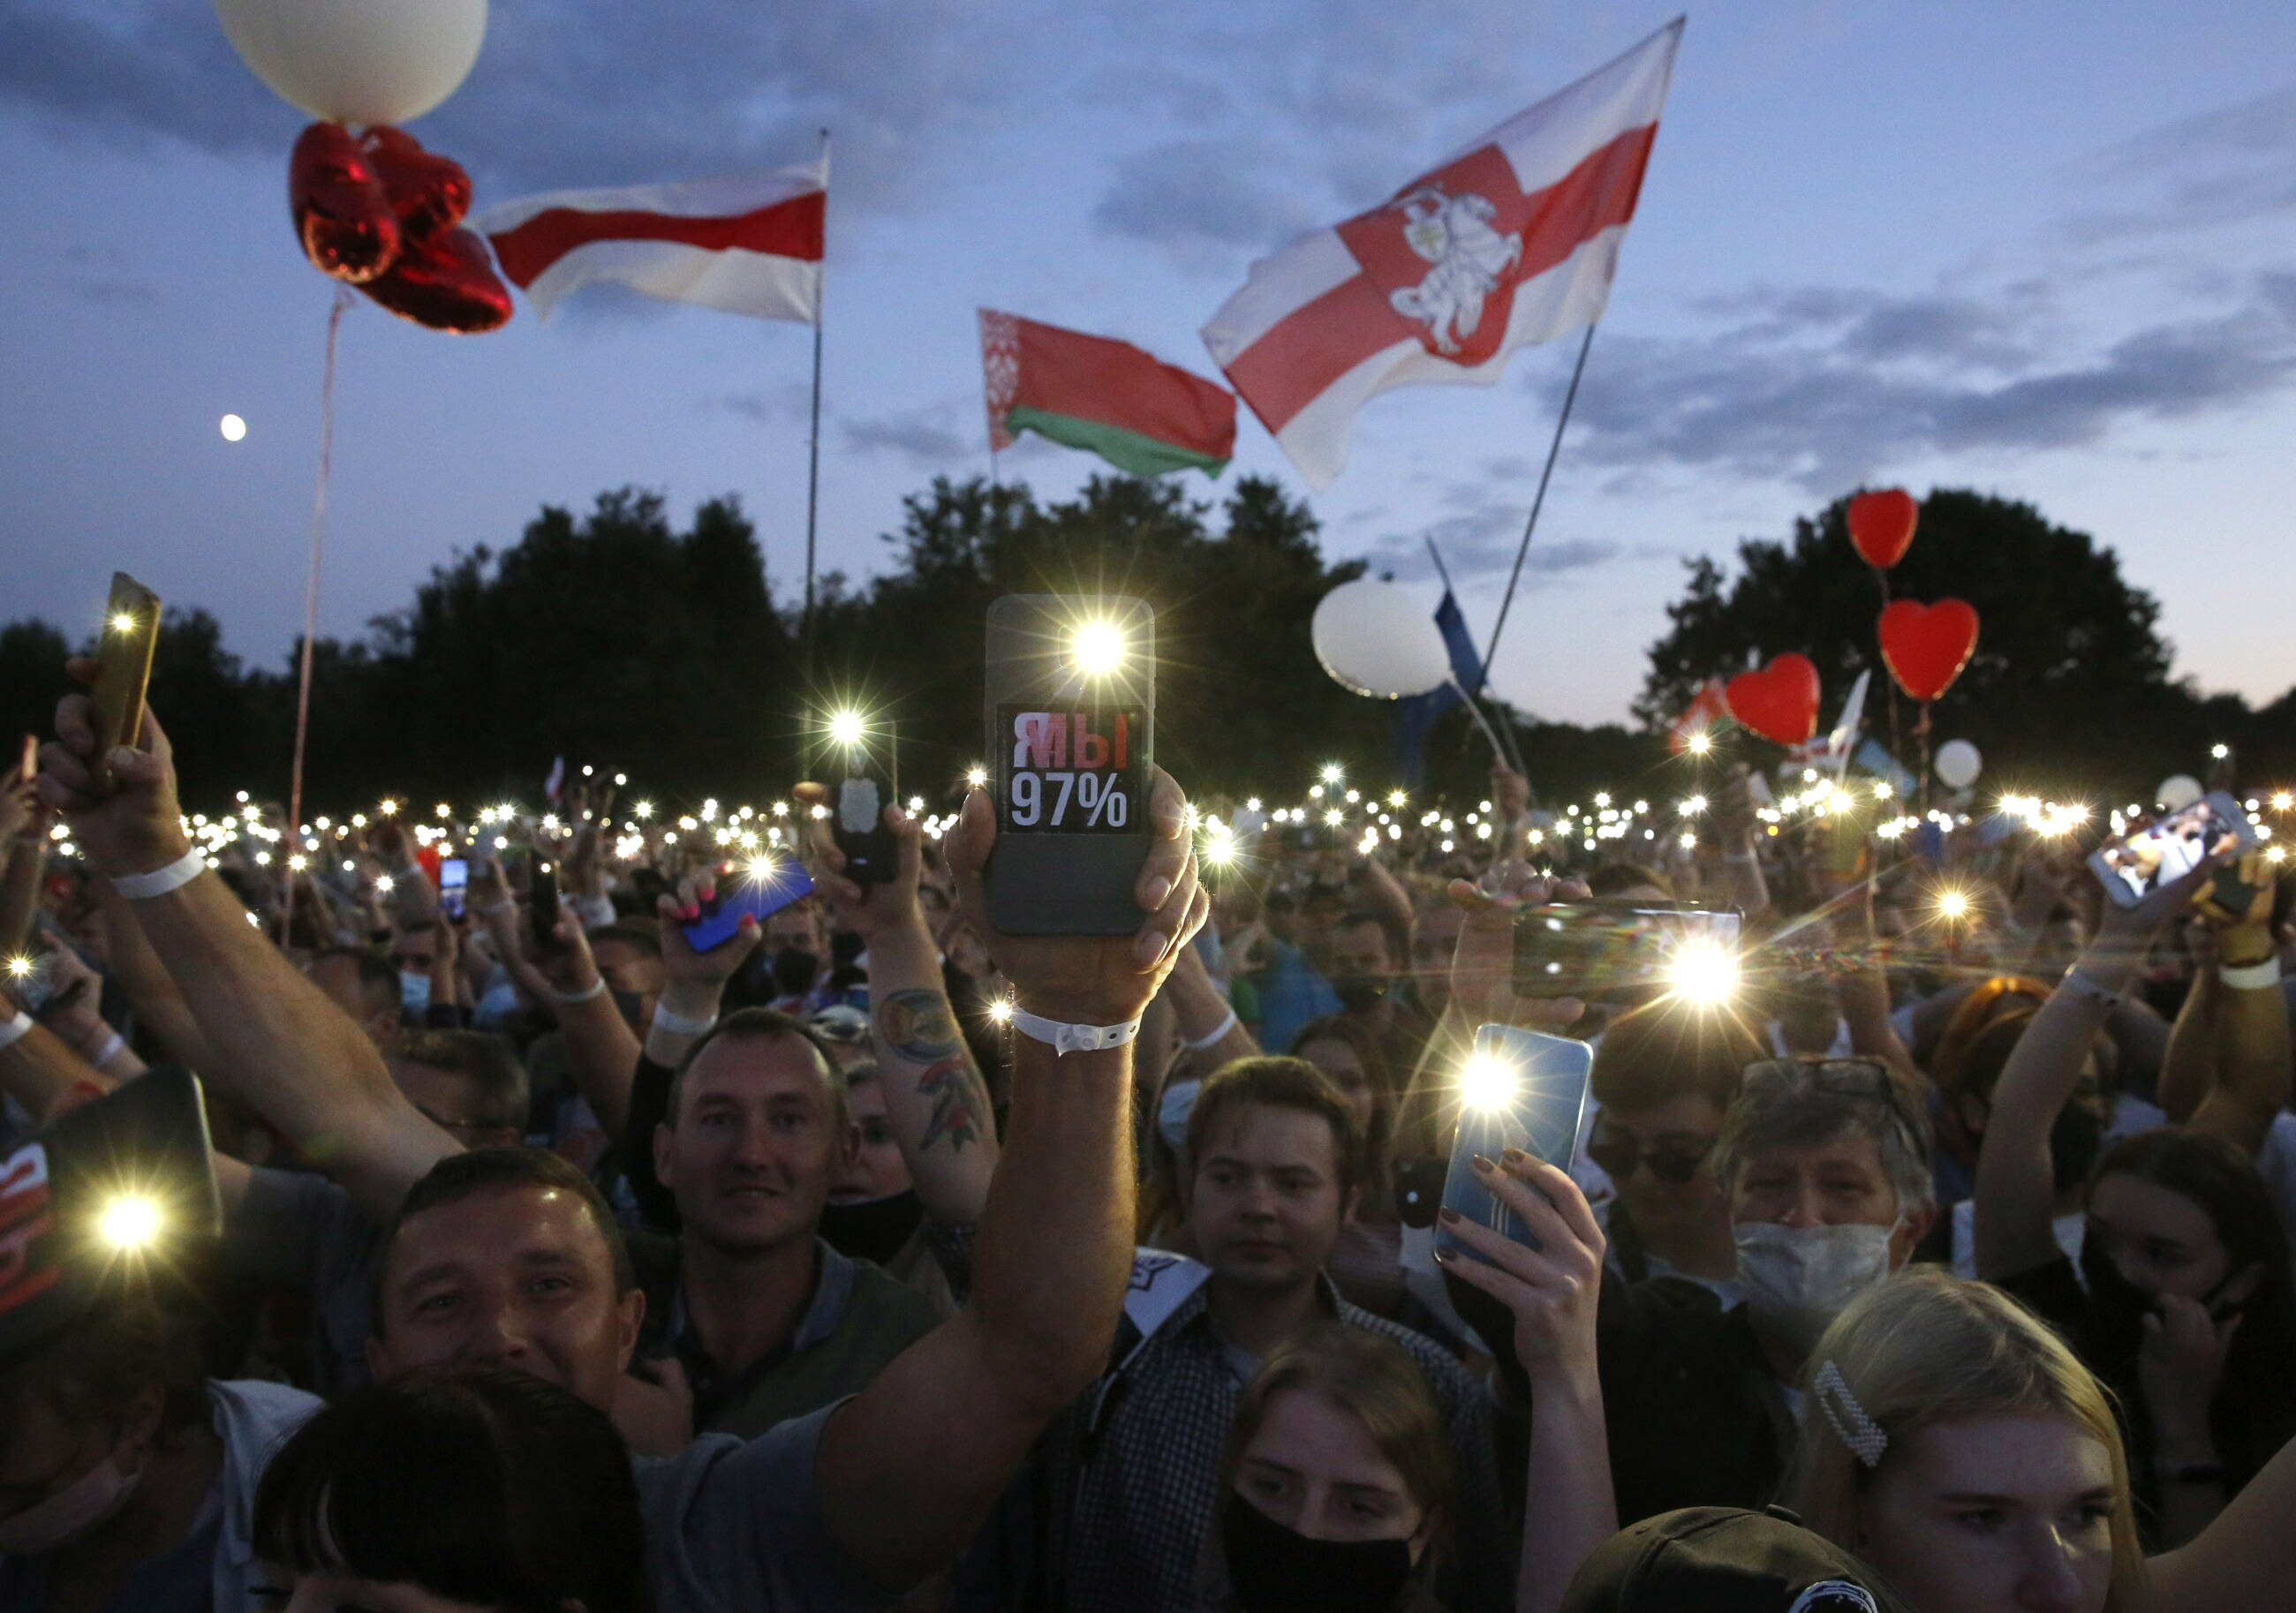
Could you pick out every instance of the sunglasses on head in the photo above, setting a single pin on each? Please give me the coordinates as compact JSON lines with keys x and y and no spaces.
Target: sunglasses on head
{"x":1867,"y":1078}
{"x":1620,"y":1157}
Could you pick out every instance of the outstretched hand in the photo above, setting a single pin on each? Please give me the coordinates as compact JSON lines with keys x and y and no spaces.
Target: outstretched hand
{"x":1552,"y":1291}
{"x":135,"y":826}
{"x":1482,"y":970}
{"x":866,"y":910}
{"x":1091,"y":980}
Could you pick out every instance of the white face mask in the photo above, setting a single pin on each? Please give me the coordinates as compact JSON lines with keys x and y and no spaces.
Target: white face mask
{"x":1172,"y":1113}
{"x":1799,"y":1278}
{"x":69,"y":1513}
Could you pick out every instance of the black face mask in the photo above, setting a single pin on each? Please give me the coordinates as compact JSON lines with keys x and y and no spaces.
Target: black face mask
{"x":876,"y":1229}
{"x":1360,"y":992}
{"x":793,"y":971}
{"x":1279,"y":1570}
{"x":2117,"y":1307}
{"x":2075,"y":1142}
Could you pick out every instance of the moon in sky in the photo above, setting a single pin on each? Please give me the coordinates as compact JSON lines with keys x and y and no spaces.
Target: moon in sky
{"x":231,"y":427}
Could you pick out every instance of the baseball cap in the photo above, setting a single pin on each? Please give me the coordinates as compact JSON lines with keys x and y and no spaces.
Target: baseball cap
{"x":841,"y":1022}
{"x":1724,"y":1559}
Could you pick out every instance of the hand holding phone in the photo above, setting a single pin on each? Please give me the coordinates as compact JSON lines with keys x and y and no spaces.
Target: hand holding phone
{"x":857,"y":763}
{"x":1522,"y":1089}
{"x":738,"y":895}
{"x":542,"y":910}
{"x":2160,"y":853}
{"x":123,"y":673}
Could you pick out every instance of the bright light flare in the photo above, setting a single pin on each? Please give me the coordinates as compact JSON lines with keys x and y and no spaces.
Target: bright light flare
{"x":130,"y":1222}
{"x":1001,"y":1010}
{"x":124,"y":622}
{"x":19,"y":968}
{"x":2282,"y":801}
{"x":1703,"y":972}
{"x":1487,"y":1084}
{"x":846,"y":727}
{"x":233,"y":426}
{"x":976,"y":776}
{"x":1700,"y":743}
{"x":1099,"y":647}
{"x":1332,"y":772}
{"x":1953,"y":906}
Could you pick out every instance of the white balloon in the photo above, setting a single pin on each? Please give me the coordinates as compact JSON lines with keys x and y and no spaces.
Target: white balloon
{"x":1958,"y":763}
{"x":2178,"y":791}
{"x":361,"y":61}
{"x":1377,"y":640}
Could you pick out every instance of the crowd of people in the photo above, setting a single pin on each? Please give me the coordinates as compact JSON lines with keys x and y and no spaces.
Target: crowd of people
{"x":874,"y":1257}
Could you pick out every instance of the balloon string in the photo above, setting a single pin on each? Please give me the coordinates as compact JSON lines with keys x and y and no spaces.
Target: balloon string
{"x":1890,"y":684}
{"x":311,"y":603}
{"x":1922,"y":729}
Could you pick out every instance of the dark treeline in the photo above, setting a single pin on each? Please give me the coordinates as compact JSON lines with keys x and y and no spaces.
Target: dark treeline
{"x":613,"y":638}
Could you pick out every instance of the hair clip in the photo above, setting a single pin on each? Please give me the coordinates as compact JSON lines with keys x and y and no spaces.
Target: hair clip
{"x":1864,"y":1436}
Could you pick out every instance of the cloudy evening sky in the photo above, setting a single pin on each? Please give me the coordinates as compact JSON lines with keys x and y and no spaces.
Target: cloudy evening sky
{"x":2046,"y":250}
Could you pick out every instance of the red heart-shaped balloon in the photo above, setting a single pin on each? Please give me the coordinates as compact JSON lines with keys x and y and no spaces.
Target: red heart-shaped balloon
{"x":342,"y":216}
{"x":429,"y":192}
{"x":447,"y":284}
{"x":1926,"y":646}
{"x":1780,"y":701}
{"x":1882,"y":525}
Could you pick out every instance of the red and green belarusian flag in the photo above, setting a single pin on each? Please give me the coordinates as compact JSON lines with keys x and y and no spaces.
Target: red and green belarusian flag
{"x":1141,"y":415}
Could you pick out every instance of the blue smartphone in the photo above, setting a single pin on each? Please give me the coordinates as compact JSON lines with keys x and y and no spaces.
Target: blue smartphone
{"x":1524,"y":1090}
{"x":742,"y":894}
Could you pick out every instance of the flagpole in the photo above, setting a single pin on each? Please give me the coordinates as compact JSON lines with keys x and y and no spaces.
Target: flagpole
{"x":813,"y":441}
{"x":1540,"y":499}
{"x":1507,"y":750}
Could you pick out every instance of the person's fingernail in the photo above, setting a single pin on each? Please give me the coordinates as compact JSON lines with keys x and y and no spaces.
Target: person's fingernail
{"x":1514,"y":1156}
{"x":1158,"y":888}
{"x":1448,"y":1216}
{"x":1150,"y":946}
{"x":1483,"y":1165}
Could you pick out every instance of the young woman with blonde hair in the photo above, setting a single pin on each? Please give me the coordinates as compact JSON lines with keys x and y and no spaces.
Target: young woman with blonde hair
{"x":1957,"y":1445}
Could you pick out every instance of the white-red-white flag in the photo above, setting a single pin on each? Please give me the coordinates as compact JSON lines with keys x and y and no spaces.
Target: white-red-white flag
{"x":748,"y":243}
{"x":1512,"y":241}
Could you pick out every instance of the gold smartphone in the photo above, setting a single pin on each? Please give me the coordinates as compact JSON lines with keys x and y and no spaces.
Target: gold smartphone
{"x":123,"y":671}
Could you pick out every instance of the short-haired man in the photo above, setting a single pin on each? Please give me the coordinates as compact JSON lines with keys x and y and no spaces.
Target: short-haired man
{"x":627,"y":954}
{"x":365,"y":984}
{"x":1665,"y":1075}
{"x":768,"y":1320}
{"x":1825,"y":1165}
{"x":1135,"y":1467}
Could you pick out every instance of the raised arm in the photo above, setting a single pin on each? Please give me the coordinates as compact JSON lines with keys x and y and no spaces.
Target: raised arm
{"x":1552,"y":1291}
{"x":274,"y":1037}
{"x":23,"y":854}
{"x":2249,"y":1073}
{"x":2016,"y":1182}
{"x":2245,"y":1558}
{"x":1055,"y":1242}
{"x":935,"y":1100}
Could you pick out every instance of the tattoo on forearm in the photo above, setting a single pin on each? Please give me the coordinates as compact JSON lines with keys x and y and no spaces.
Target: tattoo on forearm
{"x":917,"y":1027}
{"x":958,"y":1103}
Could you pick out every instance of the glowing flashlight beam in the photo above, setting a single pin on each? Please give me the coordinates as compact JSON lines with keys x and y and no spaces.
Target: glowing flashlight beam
{"x":130,"y":1222}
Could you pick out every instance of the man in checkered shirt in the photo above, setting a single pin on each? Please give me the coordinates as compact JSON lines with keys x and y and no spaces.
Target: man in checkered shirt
{"x":1133,"y":1485}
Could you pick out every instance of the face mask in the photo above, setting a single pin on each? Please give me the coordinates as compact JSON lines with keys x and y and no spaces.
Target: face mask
{"x":793,"y":971}
{"x":876,"y":1229}
{"x":1360,"y":992}
{"x":1279,"y":1570}
{"x":1799,"y":1278}
{"x":1172,"y":1114}
{"x":2117,"y":1307}
{"x":413,"y":993}
{"x":69,"y":1513}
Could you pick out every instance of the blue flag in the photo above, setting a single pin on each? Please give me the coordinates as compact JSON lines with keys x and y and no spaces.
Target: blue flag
{"x":1415,"y":718}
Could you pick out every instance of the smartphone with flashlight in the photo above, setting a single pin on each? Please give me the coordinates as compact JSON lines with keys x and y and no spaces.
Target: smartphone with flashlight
{"x":1069,"y":710}
{"x":1521,"y":1089}
{"x":2140,"y":861}
{"x":857,"y":760}
{"x":453,"y":887}
{"x":28,"y":768}
{"x":123,"y":671}
{"x":1606,"y":949}
{"x":542,"y":910}
{"x":744,"y":893}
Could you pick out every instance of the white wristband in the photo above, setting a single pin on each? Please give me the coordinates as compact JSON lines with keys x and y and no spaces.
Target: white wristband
{"x":597,"y":989}
{"x":679,"y":1025}
{"x":160,"y":881}
{"x":12,"y":1031}
{"x":1065,"y":1039}
{"x":114,"y":1044}
{"x":2251,"y":976}
{"x":1218,"y":1034}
